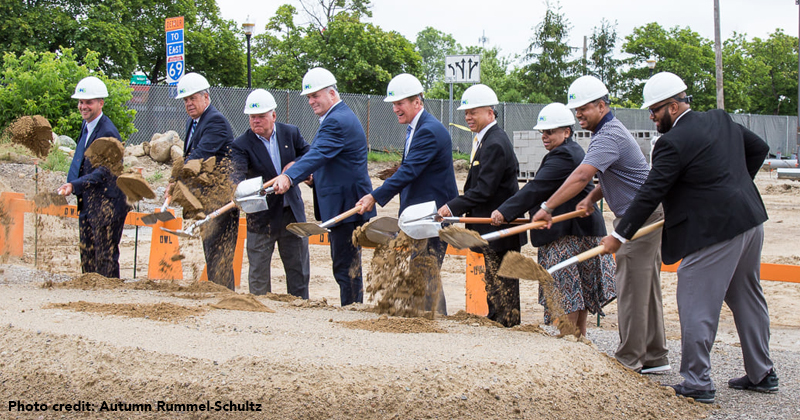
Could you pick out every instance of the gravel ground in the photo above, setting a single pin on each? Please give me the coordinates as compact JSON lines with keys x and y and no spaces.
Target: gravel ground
{"x":727,"y":363}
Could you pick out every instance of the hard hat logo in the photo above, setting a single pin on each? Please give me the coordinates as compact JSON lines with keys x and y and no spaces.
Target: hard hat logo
{"x":553,"y":116}
{"x":542,"y":118}
{"x":390,"y":93}
{"x":478,"y":96}
{"x":585,"y":89}
{"x":90,"y":88}
{"x":255,"y":105}
{"x":572,"y":96}
{"x":402,"y":86}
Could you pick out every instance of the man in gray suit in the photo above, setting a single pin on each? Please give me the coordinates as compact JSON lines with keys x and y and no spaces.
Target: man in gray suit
{"x":265,"y":150}
{"x":703,"y":171}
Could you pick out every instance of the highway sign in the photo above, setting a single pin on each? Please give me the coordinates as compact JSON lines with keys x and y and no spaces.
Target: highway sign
{"x":462,"y":69}
{"x":175,"y":49}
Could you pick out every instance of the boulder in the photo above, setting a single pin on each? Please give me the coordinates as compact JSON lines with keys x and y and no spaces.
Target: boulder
{"x":159,"y":149}
{"x":146,"y":147}
{"x":66,"y":141}
{"x":130,"y":161}
{"x":136,"y":150}
{"x":175,"y":152}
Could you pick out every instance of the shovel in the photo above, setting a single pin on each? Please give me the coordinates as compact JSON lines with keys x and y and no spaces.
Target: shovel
{"x":248,"y":198}
{"x":515,"y":265}
{"x":462,"y":239}
{"x":160,"y":216}
{"x":382,"y":230}
{"x":309,"y":229}
{"x":422,"y":221}
{"x":49,"y":198}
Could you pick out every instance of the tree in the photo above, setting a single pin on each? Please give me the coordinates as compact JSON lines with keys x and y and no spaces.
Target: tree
{"x":678,"y":50}
{"x":495,"y":73}
{"x":362,"y":56}
{"x":322,"y":12}
{"x":737,"y":66}
{"x":43,"y":82}
{"x":602,"y":62}
{"x":433,"y":45}
{"x":774,"y":74}
{"x":548,"y":75}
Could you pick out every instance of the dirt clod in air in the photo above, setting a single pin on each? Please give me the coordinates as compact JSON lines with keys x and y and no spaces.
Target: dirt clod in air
{"x":360,"y":237}
{"x":108,"y":152}
{"x":177,"y":257}
{"x":388,"y":172}
{"x":191,"y":168}
{"x":461,"y":238}
{"x":516,"y":265}
{"x":208,"y":165}
{"x":246,"y":302}
{"x":182,"y":196}
{"x":158,"y":312}
{"x":395,"y":325}
{"x":33,"y":132}
{"x":47,"y":199}
{"x":201,"y":185}
{"x":135,"y":186}
{"x":396,"y":282}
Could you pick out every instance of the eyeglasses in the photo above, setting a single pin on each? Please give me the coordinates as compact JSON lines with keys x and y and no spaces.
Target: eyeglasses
{"x":658,"y":108}
{"x":549,"y":132}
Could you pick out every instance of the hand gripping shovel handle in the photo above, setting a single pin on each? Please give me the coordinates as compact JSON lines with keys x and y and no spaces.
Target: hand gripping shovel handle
{"x":583,"y":256}
{"x":480,"y":220}
{"x":340,"y":217}
{"x":502,"y":233}
{"x":214,"y":214}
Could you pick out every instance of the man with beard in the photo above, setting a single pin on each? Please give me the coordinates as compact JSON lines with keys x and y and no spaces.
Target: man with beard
{"x":618,"y":161}
{"x":703,"y":171}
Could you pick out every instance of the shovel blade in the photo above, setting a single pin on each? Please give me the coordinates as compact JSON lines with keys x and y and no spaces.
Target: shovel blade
{"x":153,"y":218}
{"x":426,"y":210}
{"x":382,"y":230}
{"x":306,"y":229}
{"x":462,"y":238}
{"x":248,"y":187}
{"x":418,"y":222}
{"x":253,"y":203}
{"x":179,"y":232}
{"x":47,"y":199}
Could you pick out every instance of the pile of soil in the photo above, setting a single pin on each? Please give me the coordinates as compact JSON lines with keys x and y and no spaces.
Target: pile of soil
{"x":395,"y":325}
{"x":87,"y":281}
{"x":791,"y":189}
{"x":246,"y":302}
{"x":158,"y":312}
{"x":108,"y":152}
{"x":201,"y":186}
{"x":516,"y":265}
{"x":33,"y":132}
{"x":396,"y":281}
{"x":472,"y":319}
{"x":462,"y":238}
{"x":134,"y":186}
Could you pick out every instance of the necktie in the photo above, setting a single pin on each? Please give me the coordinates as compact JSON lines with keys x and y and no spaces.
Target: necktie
{"x":77,"y":160}
{"x":189,"y":138}
{"x":474,"y":148}
{"x":408,"y":140}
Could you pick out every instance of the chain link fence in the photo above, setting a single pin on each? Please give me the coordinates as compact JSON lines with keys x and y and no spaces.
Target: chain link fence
{"x":157,"y":111}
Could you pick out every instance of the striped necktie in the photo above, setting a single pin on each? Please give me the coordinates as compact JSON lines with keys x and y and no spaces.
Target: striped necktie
{"x":189,"y":138}
{"x":474,"y":148}
{"x":408,"y":140}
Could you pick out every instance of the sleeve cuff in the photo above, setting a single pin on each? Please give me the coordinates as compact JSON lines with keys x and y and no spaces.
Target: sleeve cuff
{"x":619,"y":237}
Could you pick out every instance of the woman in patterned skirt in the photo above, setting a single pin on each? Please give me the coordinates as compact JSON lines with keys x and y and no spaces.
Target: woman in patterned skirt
{"x":585,"y":287}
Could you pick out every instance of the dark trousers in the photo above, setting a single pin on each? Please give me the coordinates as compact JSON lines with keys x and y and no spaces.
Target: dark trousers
{"x":434,"y":292}
{"x":100,"y":235}
{"x":219,"y":245}
{"x":294,"y":255}
{"x":344,"y":255}
{"x":502,"y":293}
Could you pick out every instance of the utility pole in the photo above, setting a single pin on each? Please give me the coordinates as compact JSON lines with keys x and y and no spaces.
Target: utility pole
{"x":483,"y":40}
{"x":585,"y":50}
{"x":797,"y":151}
{"x":718,"y":54}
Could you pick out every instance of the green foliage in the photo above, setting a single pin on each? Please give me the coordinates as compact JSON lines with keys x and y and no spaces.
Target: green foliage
{"x":433,"y":45}
{"x":602,"y":62}
{"x":460,"y":156}
{"x":42,"y":83}
{"x":362,"y":56}
{"x":56,"y":161}
{"x":157,"y":176}
{"x":495,"y":73}
{"x":773,"y":74}
{"x":385,"y":156}
{"x":550,"y":71}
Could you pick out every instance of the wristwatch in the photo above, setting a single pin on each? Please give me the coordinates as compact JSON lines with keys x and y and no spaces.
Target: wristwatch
{"x":544,"y":207}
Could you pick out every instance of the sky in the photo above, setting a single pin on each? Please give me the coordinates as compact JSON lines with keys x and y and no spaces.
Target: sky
{"x":508,"y":24}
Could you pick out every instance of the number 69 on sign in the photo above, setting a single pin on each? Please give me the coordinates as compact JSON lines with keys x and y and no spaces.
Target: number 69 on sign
{"x":175,"y":70}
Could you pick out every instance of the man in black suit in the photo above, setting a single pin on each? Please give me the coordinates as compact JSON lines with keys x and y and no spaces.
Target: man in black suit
{"x":102,"y":207}
{"x":265,"y":150}
{"x":492,"y":179}
{"x":209,"y":134}
{"x":703,"y":171}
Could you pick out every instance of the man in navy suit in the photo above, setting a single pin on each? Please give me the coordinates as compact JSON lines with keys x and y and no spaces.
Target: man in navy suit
{"x":492,"y":179}
{"x":209,"y":134}
{"x":703,"y":171}
{"x":426,"y":171}
{"x":338,"y":161}
{"x":102,"y":207}
{"x":265,"y":150}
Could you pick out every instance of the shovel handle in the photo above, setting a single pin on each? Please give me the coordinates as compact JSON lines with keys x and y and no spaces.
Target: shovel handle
{"x":481,"y":220}
{"x":341,"y":217}
{"x":502,"y":233}
{"x":269,"y":183}
{"x":166,"y":203}
{"x":221,"y":210}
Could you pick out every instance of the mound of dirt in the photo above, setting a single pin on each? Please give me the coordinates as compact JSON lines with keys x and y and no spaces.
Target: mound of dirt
{"x":33,"y":132}
{"x":134,"y":186}
{"x":280,"y":297}
{"x":158,"y":312}
{"x":246,"y":302}
{"x":108,"y":152}
{"x":148,"y":284}
{"x":472,"y":319}
{"x":205,"y":287}
{"x":395,"y":325}
{"x":87,"y":281}
{"x":791,"y":189}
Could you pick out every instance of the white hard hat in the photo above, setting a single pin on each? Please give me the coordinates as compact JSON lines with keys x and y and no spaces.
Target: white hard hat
{"x":554,"y":115}
{"x":662,"y":86}
{"x":259,"y":101}
{"x":317,"y":79}
{"x":477,"y":96}
{"x":190,"y":84}
{"x":402,"y":86}
{"x":585,"y":89}
{"x":90,"y":88}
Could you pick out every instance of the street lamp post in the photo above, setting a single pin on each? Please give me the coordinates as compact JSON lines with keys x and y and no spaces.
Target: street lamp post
{"x":651,"y":64}
{"x":247,"y":27}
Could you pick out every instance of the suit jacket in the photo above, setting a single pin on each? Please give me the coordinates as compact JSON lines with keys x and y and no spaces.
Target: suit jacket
{"x":556,"y":167}
{"x":251,"y":159}
{"x":491,"y":180}
{"x":96,"y":188}
{"x":703,"y":171}
{"x":338,"y":160}
{"x":426,"y":172}
{"x":212,"y":136}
